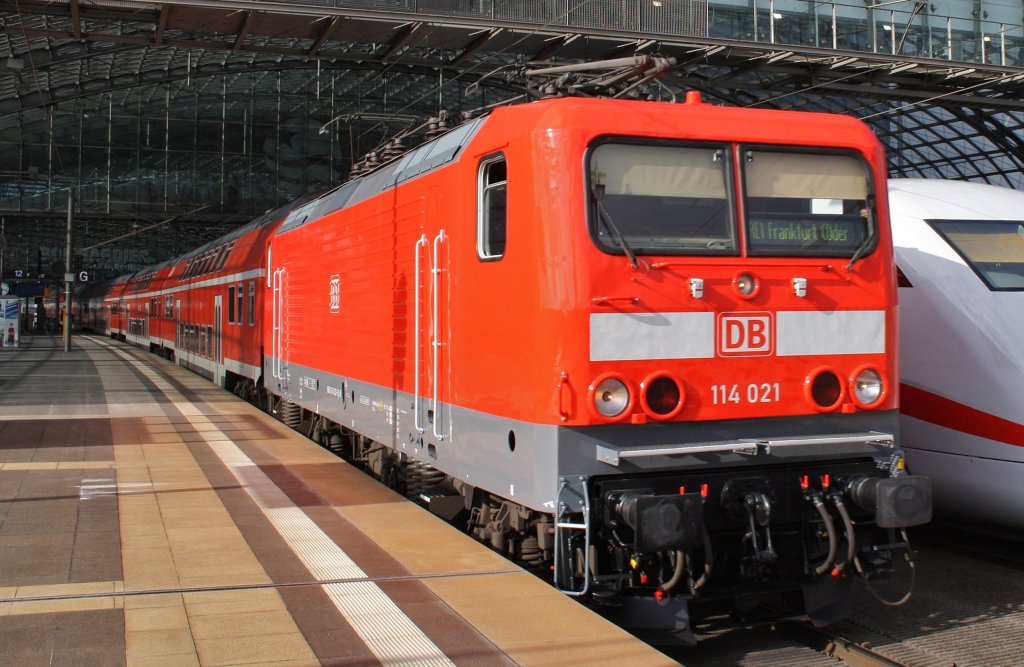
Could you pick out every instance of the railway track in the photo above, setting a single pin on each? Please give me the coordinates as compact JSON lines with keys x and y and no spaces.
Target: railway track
{"x":837,"y":644}
{"x":800,"y":644}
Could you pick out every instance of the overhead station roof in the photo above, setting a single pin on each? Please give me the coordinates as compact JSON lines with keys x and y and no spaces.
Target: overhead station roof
{"x":213,"y":111}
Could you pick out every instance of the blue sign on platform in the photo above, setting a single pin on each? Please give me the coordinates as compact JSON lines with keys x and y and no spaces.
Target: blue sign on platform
{"x":26,"y":289}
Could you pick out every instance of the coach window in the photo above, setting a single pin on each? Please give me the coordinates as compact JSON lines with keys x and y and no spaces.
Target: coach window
{"x":204,"y":264}
{"x":231,"y":305}
{"x":224,"y":255}
{"x":807,"y":204}
{"x":492,"y":217}
{"x":252,"y":302}
{"x":241,"y":302}
{"x":661,"y":199}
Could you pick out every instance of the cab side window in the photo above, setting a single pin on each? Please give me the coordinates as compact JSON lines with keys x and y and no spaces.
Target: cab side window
{"x":492,"y":218}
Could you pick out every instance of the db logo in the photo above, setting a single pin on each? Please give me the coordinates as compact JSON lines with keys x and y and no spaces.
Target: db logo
{"x":747,"y":334}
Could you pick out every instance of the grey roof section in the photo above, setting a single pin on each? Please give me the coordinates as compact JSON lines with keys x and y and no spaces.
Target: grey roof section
{"x":417,"y":162}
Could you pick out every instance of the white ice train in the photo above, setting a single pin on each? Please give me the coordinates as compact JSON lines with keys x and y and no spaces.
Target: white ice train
{"x":959,"y":248}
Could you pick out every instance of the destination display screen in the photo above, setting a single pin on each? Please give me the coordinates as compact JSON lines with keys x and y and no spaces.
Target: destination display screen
{"x":828,"y":235}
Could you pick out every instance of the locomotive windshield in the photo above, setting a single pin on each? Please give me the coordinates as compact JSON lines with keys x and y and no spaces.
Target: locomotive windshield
{"x":662,"y":199}
{"x":993,"y":248}
{"x":665,"y":199}
{"x":805,"y":204}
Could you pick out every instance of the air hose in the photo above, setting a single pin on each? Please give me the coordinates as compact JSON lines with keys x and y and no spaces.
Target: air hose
{"x":826,"y":565}
{"x":851,"y":538}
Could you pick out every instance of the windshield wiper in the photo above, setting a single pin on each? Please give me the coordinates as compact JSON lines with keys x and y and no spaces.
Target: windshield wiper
{"x":609,"y":224}
{"x":862,"y":249}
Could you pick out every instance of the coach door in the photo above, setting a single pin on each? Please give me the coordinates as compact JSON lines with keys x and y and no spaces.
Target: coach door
{"x":218,"y":358}
{"x":179,"y":334}
{"x":431,"y":334}
{"x":278,"y":338}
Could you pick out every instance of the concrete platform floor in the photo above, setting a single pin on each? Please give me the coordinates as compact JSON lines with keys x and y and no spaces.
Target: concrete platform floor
{"x":148,"y":517}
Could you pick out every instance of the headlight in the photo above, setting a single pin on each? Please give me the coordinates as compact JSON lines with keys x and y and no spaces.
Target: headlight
{"x":746,"y":285}
{"x":866,"y":387}
{"x":610,"y":396}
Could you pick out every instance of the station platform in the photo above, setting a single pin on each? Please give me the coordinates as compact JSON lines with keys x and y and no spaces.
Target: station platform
{"x":148,"y":517}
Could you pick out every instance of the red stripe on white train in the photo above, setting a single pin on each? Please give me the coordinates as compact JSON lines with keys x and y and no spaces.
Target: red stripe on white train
{"x":926,"y":406}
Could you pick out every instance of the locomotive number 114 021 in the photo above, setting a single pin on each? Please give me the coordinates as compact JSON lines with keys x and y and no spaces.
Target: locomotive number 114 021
{"x":764,"y":392}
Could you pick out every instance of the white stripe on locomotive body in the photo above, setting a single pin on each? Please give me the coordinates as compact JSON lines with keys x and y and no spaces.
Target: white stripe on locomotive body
{"x":641,"y":336}
{"x":812,"y":332}
{"x":634,"y":336}
{"x":211,"y":282}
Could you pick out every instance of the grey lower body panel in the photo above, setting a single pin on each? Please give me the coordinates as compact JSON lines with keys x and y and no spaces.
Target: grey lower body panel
{"x":525,"y":462}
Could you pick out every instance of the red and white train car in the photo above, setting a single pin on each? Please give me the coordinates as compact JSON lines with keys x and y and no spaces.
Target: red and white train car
{"x":201,"y":308}
{"x":114,"y":299}
{"x":652,"y":345}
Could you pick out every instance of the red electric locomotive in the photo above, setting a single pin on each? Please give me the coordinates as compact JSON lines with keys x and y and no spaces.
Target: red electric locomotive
{"x":650,"y":345}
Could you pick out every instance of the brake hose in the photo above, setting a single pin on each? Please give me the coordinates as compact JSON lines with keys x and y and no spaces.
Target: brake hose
{"x":830,"y":528}
{"x":851,"y":538}
{"x":677,"y":574}
{"x":680,"y":561}
{"x":708,"y":560}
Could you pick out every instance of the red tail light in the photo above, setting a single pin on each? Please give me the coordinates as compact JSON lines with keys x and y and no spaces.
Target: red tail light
{"x":662,"y":395}
{"x":824,"y":390}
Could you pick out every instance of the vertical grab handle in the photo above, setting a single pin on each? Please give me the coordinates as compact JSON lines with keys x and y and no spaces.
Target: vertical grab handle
{"x":279,"y":324}
{"x":271,"y":282}
{"x":417,"y":418}
{"x":563,"y":402}
{"x":439,"y":240}
{"x":275,"y":364}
